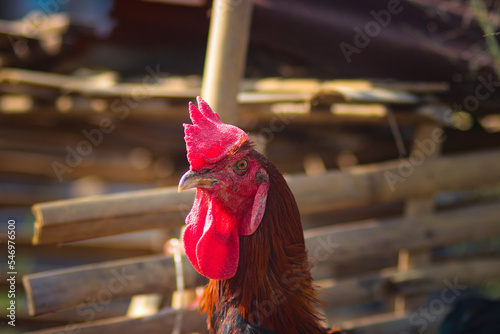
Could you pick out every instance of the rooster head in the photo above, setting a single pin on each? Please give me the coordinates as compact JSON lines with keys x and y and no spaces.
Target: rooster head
{"x":231,"y":193}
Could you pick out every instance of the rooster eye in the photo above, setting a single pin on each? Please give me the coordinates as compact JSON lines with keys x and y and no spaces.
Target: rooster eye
{"x":241,"y":166}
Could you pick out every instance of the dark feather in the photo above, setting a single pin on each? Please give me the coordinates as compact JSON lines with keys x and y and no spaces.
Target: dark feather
{"x":473,"y":315}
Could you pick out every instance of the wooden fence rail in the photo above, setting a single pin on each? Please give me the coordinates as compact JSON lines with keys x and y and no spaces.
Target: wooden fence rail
{"x":86,"y":218}
{"x":373,"y":238}
{"x":385,"y":284}
{"x":161,"y":322}
{"x":67,"y":288}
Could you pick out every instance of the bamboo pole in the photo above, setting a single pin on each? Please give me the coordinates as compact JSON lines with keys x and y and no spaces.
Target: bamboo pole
{"x":161,"y":322}
{"x":393,"y":181}
{"x":97,"y":283}
{"x":86,"y":218}
{"x":91,"y":217}
{"x":226,"y":54}
{"x":75,"y":315}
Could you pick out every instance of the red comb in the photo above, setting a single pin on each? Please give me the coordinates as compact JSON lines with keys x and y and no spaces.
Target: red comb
{"x":208,"y":139}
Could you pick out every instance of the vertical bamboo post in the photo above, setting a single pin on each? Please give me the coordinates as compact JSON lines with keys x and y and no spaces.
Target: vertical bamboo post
{"x":415,"y":207}
{"x":226,"y":56}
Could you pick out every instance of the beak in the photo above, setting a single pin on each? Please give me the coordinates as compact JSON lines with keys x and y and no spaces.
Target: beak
{"x":192,"y":179}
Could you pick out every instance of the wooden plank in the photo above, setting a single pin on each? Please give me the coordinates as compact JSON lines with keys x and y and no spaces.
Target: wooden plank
{"x":377,"y":324}
{"x":385,"y":284}
{"x":80,"y":314}
{"x":96,"y":283}
{"x":390,"y":323}
{"x":106,"y":215}
{"x":298,"y":113}
{"x":98,"y":85}
{"x":89,"y":229}
{"x":54,"y":80}
{"x":354,"y":187}
{"x":161,"y":322}
{"x":352,"y":241}
{"x":344,"y":94}
{"x":393,"y":181}
{"x":118,"y":168}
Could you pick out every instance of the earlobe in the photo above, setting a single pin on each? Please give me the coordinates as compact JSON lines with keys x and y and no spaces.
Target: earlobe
{"x":259,"y":204}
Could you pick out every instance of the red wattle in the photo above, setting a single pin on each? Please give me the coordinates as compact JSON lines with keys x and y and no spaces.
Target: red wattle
{"x":211,"y":239}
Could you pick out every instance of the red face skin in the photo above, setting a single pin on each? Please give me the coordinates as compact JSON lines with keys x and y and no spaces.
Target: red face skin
{"x":230,"y":201}
{"x":236,"y":187}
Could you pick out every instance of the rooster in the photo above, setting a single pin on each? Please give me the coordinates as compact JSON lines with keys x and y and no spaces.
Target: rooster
{"x":244,"y":233}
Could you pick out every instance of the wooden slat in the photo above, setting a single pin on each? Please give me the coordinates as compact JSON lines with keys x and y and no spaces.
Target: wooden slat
{"x":66,"y":288}
{"x":357,"y":186}
{"x":91,"y":217}
{"x":368,"y":184}
{"x":298,"y":113}
{"x":344,"y":94}
{"x":352,"y":241}
{"x":99,"y":85}
{"x":385,"y":284}
{"x":112,"y":168}
{"x":161,"y":322}
{"x":80,"y":314}
{"x":351,"y":89}
{"x":390,"y":323}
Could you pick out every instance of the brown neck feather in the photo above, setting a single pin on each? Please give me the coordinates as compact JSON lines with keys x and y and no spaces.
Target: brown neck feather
{"x":273,"y":286}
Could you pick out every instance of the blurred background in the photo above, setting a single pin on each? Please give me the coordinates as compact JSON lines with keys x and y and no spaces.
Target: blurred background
{"x":93,"y":95}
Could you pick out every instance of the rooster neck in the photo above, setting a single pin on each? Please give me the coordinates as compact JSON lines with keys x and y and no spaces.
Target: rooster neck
{"x":272,"y":289}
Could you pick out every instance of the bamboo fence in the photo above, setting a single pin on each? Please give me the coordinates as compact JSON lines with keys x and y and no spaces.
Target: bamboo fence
{"x":407,"y":237}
